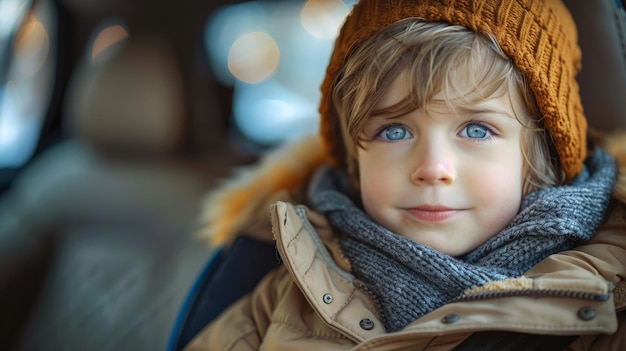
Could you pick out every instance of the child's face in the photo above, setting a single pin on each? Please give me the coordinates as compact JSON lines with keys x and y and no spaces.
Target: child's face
{"x":446,"y":179}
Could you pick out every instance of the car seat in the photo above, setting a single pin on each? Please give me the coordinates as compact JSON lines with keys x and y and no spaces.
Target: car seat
{"x":602,"y":36}
{"x":119,"y":199}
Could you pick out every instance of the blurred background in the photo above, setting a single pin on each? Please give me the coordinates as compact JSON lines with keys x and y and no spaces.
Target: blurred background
{"x":117,"y":117}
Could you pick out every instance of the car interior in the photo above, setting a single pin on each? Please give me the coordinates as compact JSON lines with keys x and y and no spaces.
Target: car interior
{"x":118,"y":117}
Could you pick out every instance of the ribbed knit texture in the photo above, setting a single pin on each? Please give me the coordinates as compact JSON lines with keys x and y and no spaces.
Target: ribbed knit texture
{"x":409,"y":279}
{"x":539,"y":35}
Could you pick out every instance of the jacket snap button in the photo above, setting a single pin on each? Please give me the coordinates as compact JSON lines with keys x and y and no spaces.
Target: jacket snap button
{"x":366,"y":324}
{"x":587,"y":313}
{"x":451,"y":318}
{"x":328,"y":298}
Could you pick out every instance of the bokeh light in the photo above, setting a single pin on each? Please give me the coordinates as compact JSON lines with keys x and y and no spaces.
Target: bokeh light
{"x":32,"y":46}
{"x":274,"y":55}
{"x":106,"y":38}
{"x":322,"y":18}
{"x":11,"y":14}
{"x":9,"y":130}
{"x":269,"y":113}
{"x":27,"y":89}
{"x":253,"y":57}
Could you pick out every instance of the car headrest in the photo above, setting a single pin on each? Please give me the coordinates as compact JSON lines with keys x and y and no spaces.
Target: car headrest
{"x":132,"y":100}
{"x":602,"y":36}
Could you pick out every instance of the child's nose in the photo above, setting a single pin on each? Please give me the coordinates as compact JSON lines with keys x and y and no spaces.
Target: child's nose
{"x":434,"y":168}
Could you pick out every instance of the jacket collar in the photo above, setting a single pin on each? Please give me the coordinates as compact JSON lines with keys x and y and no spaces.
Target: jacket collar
{"x":317,"y":267}
{"x":328,"y":287}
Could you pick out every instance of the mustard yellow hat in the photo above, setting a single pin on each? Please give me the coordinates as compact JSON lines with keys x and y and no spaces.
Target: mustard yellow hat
{"x":539,"y":35}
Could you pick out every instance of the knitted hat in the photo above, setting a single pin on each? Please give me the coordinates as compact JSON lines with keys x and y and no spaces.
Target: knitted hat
{"x":540,"y":37}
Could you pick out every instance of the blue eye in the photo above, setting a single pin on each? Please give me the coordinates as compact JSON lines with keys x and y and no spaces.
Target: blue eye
{"x":475,"y":131}
{"x":395,"y":132}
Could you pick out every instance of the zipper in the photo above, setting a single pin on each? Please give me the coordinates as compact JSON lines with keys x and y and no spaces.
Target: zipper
{"x":537,"y":293}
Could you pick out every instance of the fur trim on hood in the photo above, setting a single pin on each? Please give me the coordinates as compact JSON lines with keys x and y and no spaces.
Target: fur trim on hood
{"x":246,"y":197}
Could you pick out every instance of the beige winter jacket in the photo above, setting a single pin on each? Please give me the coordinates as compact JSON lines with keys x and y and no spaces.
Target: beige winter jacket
{"x":312,"y":302}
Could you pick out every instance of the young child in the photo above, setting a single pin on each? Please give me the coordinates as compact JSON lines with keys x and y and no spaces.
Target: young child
{"x":452,"y":201}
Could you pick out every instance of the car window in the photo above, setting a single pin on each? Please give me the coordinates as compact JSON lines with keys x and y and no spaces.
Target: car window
{"x":27,"y":40}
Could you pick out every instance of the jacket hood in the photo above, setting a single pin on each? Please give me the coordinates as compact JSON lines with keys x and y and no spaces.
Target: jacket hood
{"x":245,"y":198}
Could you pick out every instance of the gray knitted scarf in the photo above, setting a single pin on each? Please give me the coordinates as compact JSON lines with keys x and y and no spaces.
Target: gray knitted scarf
{"x":408,"y":279}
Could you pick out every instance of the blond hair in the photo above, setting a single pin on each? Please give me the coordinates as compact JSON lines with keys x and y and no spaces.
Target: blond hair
{"x":430,"y":53}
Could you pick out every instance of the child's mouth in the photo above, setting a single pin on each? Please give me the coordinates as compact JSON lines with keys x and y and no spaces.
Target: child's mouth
{"x":433,"y":213}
